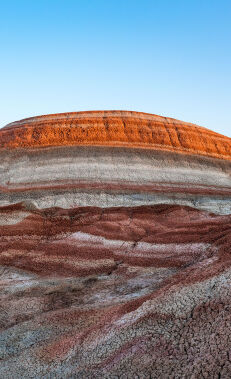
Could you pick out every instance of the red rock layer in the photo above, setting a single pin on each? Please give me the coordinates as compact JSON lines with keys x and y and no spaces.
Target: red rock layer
{"x":118,"y":292}
{"x":115,"y":128}
{"x":57,"y":239}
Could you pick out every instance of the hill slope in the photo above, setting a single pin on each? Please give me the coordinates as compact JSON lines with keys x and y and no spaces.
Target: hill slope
{"x":115,"y":258}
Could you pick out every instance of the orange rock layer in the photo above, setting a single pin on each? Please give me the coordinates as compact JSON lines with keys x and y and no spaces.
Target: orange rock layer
{"x":115,"y":128}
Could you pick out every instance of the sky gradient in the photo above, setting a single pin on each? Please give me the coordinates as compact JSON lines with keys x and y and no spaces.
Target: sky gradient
{"x":171,"y":58}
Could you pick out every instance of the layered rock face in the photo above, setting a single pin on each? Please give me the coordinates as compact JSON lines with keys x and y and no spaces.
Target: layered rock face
{"x":108,"y":159}
{"x":115,"y":232}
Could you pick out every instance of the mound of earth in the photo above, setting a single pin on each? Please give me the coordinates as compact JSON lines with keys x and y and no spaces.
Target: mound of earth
{"x":115,"y":257}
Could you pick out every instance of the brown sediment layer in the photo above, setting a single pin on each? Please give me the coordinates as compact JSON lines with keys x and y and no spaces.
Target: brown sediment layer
{"x":125,"y":187}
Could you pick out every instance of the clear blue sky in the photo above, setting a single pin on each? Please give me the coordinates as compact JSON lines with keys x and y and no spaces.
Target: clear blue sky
{"x":169,"y":57}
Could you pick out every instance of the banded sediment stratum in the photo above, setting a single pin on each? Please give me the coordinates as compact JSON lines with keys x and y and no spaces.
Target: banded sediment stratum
{"x":114,"y":158}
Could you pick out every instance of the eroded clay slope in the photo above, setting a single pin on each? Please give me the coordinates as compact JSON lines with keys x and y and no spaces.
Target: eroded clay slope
{"x":117,"y":292}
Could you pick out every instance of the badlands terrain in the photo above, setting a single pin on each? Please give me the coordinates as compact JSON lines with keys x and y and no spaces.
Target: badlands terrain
{"x":115,"y":248}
